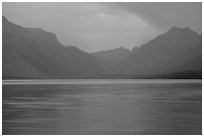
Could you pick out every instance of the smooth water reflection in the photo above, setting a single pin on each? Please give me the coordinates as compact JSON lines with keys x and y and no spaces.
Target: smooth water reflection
{"x":103,"y":108}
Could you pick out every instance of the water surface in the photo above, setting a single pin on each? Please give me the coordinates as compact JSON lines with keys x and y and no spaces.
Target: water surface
{"x":102,"y":107}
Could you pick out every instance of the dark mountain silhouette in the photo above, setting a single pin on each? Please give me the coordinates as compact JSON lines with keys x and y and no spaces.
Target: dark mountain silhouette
{"x":108,"y":59}
{"x":173,"y":51}
{"x":35,"y":53}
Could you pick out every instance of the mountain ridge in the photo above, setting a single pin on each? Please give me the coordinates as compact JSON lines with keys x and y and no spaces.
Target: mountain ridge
{"x":163,"y":50}
{"x":36,"y":53}
{"x":108,"y":59}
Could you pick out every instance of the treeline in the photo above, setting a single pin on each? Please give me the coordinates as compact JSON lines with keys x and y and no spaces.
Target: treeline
{"x":175,"y":75}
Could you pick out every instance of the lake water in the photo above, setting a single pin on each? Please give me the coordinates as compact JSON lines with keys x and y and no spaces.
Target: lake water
{"x":102,"y":107}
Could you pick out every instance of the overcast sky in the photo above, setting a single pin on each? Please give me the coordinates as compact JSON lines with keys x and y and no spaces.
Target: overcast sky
{"x":100,"y":26}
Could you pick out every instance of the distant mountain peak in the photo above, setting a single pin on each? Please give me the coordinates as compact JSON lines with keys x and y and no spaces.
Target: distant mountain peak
{"x":109,"y":58}
{"x":177,"y":30}
{"x":122,"y":48}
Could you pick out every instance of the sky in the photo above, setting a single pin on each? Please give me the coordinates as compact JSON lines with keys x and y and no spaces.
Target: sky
{"x":104,"y":25}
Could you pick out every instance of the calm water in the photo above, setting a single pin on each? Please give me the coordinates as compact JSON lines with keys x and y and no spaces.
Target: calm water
{"x":102,"y":107}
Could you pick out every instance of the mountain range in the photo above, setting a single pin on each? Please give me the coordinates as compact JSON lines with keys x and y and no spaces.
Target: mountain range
{"x":108,"y":59}
{"x":167,"y":53}
{"x":35,"y":53}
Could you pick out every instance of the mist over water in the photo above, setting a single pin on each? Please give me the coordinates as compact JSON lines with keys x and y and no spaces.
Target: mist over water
{"x":102,"y":107}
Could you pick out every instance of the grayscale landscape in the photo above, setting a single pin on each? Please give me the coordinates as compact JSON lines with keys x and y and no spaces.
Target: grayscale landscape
{"x":102,"y":68}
